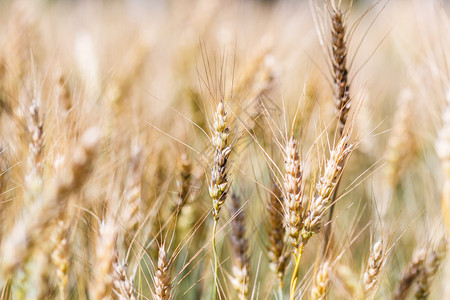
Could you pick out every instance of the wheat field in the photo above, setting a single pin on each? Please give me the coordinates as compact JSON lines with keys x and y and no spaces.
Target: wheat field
{"x":237,"y":149}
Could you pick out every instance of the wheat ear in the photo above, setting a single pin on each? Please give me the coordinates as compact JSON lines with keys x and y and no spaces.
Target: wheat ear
{"x":293,"y":206}
{"x":218,"y":186}
{"x":325,"y":188}
{"x":411,"y":274}
{"x":239,"y":243}
{"x":370,"y":277}
{"x":341,"y":91}
{"x":276,"y":232}
{"x":123,"y":285}
{"x":430,"y":269}
{"x":132,"y":193}
{"x":162,"y":276}
{"x":340,"y":74}
{"x":60,"y":254}
{"x":183,"y":182}
{"x":33,"y":180}
{"x":319,"y":288}
{"x":105,"y":256}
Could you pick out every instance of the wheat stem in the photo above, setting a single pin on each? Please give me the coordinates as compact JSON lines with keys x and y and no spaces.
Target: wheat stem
{"x":216,"y":261}
{"x":294,"y":279}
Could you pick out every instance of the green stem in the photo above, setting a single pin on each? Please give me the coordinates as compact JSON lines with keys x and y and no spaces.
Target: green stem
{"x":294,"y":279}
{"x":216,"y":261}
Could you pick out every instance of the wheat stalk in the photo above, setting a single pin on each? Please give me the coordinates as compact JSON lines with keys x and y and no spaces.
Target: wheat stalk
{"x":218,"y":186}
